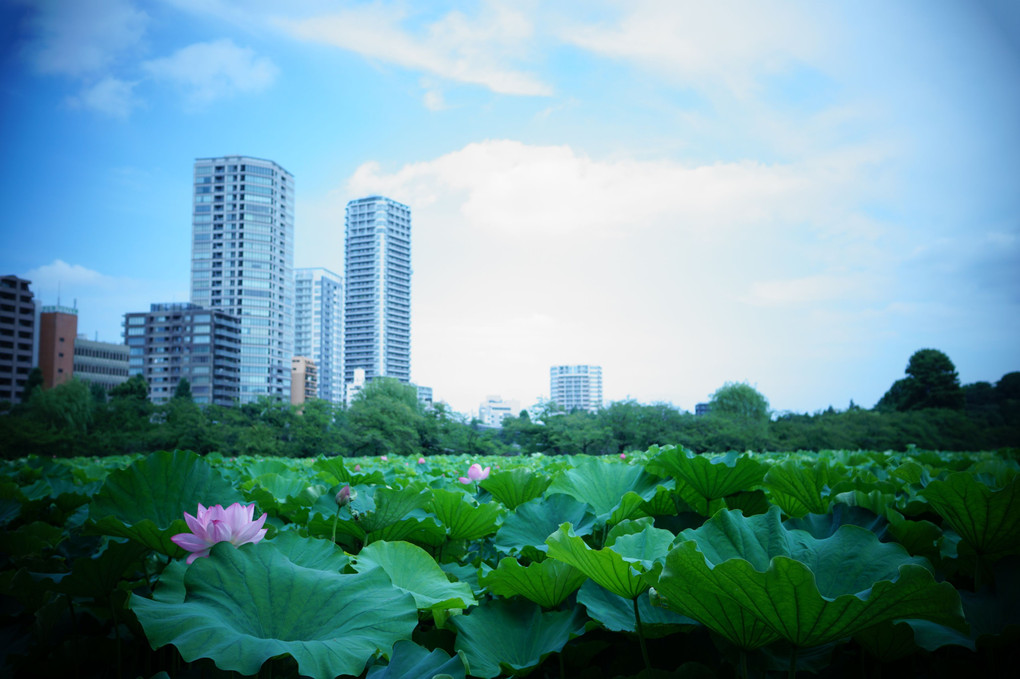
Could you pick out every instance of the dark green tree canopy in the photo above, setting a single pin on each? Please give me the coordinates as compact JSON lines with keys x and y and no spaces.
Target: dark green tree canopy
{"x":183,"y":390}
{"x":931,"y":382}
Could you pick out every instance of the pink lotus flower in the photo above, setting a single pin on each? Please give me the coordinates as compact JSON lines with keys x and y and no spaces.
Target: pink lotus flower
{"x":384,"y":458}
{"x":623,"y":456}
{"x":421,"y":460}
{"x":234,"y":524}
{"x":357,"y":467}
{"x":475,"y":473}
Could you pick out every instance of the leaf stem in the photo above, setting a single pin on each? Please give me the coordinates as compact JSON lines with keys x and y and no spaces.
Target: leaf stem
{"x":641,"y":635}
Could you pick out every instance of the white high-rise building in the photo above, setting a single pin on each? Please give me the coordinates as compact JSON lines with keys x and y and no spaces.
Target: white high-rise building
{"x":576,"y":387}
{"x":242,"y":262}
{"x":319,"y":327}
{"x":377,"y":310}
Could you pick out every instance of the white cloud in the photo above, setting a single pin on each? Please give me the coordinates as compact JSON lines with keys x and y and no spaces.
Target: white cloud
{"x":101,"y":299}
{"x":726,"y":42}
{"x":109,"y":96}
{"x":77,"y":38}
{"x":810,"y":289}
{"x":457,"y":47}
{"x":212,"y":70}
{"x":510,"y":187}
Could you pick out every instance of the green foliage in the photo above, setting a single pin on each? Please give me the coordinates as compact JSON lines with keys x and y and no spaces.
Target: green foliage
{"x":931,"y":382}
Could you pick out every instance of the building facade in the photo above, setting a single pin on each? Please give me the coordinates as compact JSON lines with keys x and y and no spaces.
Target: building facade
{"x":102,"y":363}
{"x":494,"y":410}
{"x":178,"y":341}
{"x":319,"y":327}
{"x":377,"y":308}
{"x":304,"y":383}
{"x":576,"y":387}
{"x":17,"y":336}
{"x":242,"y":263}
{"x":58,"y":328}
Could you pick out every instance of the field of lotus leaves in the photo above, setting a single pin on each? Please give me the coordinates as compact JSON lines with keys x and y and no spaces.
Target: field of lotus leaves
{"x":654,"y":564}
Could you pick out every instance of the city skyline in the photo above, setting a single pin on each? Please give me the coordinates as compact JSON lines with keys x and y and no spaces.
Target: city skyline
{"x":790,"y":194}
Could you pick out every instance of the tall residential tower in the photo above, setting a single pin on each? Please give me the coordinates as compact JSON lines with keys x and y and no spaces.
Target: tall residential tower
{"x":576,"y":387}
{"x":242,"y":263}
{"x":319,"y":328}
{"x":377,"y":257}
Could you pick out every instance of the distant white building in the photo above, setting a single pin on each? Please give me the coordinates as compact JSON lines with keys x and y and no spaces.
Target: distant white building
{"x":576,"y":387}
{"x":494,"y":410}
{"x":319,"y":327}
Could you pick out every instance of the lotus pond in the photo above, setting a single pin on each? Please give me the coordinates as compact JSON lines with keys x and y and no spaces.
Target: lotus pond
{"x":660,"y":564}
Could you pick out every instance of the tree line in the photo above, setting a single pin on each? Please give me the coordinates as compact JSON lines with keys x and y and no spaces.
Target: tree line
{"x":928,"y":408}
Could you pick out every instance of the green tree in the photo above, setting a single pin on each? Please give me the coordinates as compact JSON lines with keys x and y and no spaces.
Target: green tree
{"x":740,"y":414}
{"x":931,"y":382}
{"x":183,"y":390}
{"x":33,"y":381}
{"x":385,"y":418}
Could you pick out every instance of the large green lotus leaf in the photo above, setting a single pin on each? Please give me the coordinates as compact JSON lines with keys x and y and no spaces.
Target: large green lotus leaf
{"x":801,"y":488}
{"x":808,"y":591}
{"x":920,"y":538}
{"x":987,"y":520}
{"x":311,"y":552}
{"x":605,"y":566}
{"x":243,"y":606}
{"x":411,"y":661}
{"x":615,"y":491}
{"x":146,"y":502}
{"x":711,"y":477}
{"x":393,"y":505}
{"x":287,"y":492}
{"x":515,"y":487}
{"x":646,"y":546}
{"x":548,"y":583}
{"x":892,"y":640}
{"x":463,"y":518}
{"x":513,"y":636}
{"x":333,"y":470}
{"x":822,"y":526}
{"x":617,"y":614}
{"x":537,"y":519}
{"x":412,"y":570}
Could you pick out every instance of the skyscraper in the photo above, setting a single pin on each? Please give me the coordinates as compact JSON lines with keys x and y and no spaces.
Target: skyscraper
{"x":242,"y":262}
{"x":377,"y":315}
{"x":319,"y":327}
{"x":17,"y":336}
{"x":576,"y":387}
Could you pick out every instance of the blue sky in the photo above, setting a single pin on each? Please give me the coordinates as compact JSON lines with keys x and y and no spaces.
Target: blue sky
{"x":793,"y":194}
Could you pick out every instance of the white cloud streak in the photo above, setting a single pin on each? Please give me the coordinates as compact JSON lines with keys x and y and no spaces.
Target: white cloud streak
{"x":213,"y":70}
{"x":456,"y":47}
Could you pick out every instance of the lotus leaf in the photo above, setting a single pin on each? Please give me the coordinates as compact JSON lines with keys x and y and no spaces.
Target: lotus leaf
{"x":412,"y":570}
{"x":547,"y":583}
{"x":463,"y":518}
{"x":617,"y":614}
{"x":801,"y":488}
{"x":242,"y":606}
{"x":516,"y":486}
{"x":511,"y":636}
{"x":615,"y":492}
{"x":607,"y":566}
{"x":146,"y":502}
{"x":805,"y":590}
{"x":987,"y":520}
{"x":537,"y":519}
{"x":411,"y":661}
{"x":711,"y":477}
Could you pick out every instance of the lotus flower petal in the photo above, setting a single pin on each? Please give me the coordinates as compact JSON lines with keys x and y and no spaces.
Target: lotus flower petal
{"x":214,"y":524}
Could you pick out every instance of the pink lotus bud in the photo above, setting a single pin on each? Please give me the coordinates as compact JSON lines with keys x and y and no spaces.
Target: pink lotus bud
{"x":421,"y":460}
{"x":343,"y":497}
{"x":623,"y":456}
{"x":384,"y":458}
{"x":357,"y":467}
{"x":235,"y":524}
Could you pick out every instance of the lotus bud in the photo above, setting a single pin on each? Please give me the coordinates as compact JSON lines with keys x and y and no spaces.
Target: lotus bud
{"x":343,"y":498}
